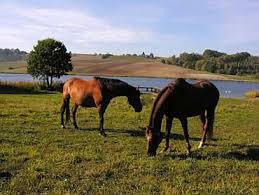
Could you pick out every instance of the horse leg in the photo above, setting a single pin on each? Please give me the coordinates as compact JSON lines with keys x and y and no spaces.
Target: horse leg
{"x":169,"y":121}
{"x":64,"y":107}
{"x":74,"y":109}
{"x":101,"y":110}
{"x":62,"y":110}
{"x":204,"y":128}
{"x":184,"y":123}
{"x":208,"y":128}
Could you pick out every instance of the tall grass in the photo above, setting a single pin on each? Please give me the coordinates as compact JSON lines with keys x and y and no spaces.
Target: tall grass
{"x":252,"y":94}
{"x":27,"y":87}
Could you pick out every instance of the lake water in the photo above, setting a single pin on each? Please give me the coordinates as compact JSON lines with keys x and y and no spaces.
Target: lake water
{"x":233,"y":89}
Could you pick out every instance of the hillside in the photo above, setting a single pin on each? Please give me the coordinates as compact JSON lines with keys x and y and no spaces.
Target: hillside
{"x":85,"y":64}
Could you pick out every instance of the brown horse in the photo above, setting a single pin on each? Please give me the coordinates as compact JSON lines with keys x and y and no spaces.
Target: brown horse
{"x":96,"y":93}
{"x":182,"y":100}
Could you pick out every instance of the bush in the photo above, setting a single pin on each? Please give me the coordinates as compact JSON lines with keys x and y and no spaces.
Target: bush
{"x":168,"y":62}
{"x":104,"y":56}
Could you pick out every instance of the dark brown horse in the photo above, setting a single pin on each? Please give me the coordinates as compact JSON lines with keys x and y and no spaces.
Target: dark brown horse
{"x":182,"y":100}
{"x":96,"y":93}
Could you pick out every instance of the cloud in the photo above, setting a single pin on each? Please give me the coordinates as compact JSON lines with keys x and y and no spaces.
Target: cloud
{"x":27,"y":25}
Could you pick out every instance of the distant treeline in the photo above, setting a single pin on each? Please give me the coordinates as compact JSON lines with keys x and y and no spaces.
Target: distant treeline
{"x":217,"y":62}
{"x":107,"y":55}
{"x":11,"y":54}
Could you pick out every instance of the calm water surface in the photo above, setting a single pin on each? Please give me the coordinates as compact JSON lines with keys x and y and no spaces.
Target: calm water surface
{"x":233,"y":89}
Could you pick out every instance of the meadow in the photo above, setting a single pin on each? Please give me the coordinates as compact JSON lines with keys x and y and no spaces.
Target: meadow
{"x":37,"y":156}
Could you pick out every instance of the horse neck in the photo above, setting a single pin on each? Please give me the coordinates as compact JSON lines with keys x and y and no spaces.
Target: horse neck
{"x":156,"y":120}
{"x":158,"y":111}
{"x":122,"y":91}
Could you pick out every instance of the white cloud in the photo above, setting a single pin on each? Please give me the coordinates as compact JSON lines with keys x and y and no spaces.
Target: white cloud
{"x":27,"y":25}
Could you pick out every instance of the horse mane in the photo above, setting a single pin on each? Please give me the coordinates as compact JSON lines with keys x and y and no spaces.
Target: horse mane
{"x":154,"y":107}
{"x":107,"y":83}
{"x":179,"y":82}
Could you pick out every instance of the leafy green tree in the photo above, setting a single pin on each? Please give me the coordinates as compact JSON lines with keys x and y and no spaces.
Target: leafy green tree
{"x":49,"y":59}
{"x":208,"y":53}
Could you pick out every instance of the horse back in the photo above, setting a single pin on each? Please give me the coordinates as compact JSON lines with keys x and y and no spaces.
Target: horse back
{"x":86,"y":93}
{"x":188,"y":100}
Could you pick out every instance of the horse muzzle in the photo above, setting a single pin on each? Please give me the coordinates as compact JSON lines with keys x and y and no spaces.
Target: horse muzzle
{"x":139,"y":109}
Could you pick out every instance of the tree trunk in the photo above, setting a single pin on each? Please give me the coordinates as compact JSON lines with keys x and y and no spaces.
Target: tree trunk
{"x":47,"y":80}
{"x":51,"y":80}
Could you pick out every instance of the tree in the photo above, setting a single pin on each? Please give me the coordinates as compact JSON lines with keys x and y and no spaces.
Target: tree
{"x":12,"y":54}
{"x":107,"y":55}
{"x":49,"y":59}
{"x":151,"y":55}
{"x":208,"y":53}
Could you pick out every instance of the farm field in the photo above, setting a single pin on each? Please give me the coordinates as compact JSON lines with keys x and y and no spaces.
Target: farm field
{"x":37,"y":156}
{"x":85,"y":64}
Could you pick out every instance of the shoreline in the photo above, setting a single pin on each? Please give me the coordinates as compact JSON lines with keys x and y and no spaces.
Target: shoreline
{"x":157,"y":77}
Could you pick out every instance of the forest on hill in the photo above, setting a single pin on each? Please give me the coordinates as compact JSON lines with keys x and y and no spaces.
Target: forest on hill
{"x":12,"y":54}
{"x":217,"y":62}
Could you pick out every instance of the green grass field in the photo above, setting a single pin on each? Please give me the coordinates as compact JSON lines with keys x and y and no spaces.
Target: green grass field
{"x":37,"y":156}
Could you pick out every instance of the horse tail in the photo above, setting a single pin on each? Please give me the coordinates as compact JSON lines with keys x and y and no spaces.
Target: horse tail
{"x":210,"y":118}
{"x":67,"y":110}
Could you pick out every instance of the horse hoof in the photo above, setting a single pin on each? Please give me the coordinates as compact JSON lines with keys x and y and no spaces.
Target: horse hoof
{"x":103,"y":134}
{"x":200,"y":145}
{"x":63,"y":126}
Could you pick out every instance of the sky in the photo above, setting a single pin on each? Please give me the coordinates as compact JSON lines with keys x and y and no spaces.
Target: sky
{"x":165,"y":27}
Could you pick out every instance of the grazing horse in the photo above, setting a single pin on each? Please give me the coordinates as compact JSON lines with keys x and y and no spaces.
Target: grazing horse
{"x":98,"y":93}
{"x":182,"y":100}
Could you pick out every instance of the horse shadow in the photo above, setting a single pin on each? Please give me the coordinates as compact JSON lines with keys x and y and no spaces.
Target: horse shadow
{"x":141,"y":133}
{"x":240,"y":152}
{"x":248,"y":153}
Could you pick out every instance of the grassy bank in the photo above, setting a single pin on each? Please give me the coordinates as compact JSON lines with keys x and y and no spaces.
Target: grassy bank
{"x":36,"y":156}
{"x":252,"y":94}
{"x":7,"y":87}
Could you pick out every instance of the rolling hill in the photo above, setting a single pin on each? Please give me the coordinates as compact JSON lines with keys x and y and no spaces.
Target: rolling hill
{"x":86,"y":64}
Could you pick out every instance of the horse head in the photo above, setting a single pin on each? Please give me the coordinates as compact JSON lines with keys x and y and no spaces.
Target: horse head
{"x":153,"y":140}
{"x":134,"y":100}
